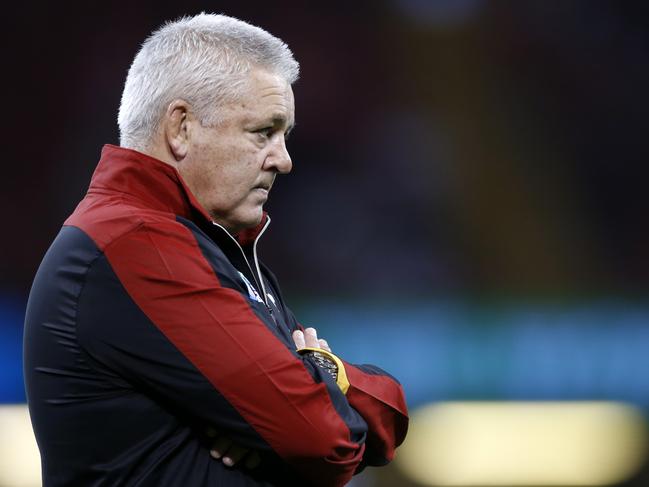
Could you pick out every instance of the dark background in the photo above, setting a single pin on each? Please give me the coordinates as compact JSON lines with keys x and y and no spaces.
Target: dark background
{"x":444,"y":146}
{"x":491,"y":153}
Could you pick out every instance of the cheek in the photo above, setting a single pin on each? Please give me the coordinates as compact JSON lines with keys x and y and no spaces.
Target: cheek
{"x":242,"y":169}
{"x":232,"y":182}
{"x":225,"y":170}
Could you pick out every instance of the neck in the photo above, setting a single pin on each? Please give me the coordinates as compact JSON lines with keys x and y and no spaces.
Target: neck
{"x":155,"y":149}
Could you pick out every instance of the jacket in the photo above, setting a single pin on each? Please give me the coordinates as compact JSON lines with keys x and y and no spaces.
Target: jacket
{"x":148,"y":323}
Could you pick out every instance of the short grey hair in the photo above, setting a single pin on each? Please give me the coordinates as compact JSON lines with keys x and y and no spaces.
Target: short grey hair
{"x":203,"y":60}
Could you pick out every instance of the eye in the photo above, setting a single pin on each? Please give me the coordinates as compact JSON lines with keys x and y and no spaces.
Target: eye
{"x":265,"y":132}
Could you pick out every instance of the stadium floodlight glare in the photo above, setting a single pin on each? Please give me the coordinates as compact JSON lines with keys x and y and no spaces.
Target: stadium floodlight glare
{"x":20,"y":464}
{"x":523,"y":444}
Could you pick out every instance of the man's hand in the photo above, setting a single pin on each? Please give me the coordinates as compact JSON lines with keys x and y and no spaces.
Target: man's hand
{"x":318,"y":350}
{"x":224,"y":449}
{"x":309,"y":339}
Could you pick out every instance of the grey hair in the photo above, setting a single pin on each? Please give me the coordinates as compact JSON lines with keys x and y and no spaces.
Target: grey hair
{"x":203,"y":60}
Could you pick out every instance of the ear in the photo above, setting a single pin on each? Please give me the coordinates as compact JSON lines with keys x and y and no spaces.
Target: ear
{"x":176,"y":129}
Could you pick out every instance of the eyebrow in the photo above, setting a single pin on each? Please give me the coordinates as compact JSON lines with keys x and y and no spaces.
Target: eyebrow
{"x":281,"y":120}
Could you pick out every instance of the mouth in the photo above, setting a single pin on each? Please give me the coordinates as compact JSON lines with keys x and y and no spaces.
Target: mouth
{"x":262,"y":190}
{"x":264,"y":187}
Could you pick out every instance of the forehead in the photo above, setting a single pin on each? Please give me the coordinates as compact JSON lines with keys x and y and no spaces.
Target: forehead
{"x":267,"y":96}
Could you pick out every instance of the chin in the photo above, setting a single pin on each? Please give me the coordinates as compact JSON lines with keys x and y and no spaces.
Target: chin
{"x":251,"y":221}
{"x":257,"y":220}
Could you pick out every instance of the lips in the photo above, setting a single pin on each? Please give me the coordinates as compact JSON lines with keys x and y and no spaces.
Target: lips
{"x":264,"y":186}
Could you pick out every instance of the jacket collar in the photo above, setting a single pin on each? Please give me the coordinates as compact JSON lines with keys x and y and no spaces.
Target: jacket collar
{"x":156,"y":184}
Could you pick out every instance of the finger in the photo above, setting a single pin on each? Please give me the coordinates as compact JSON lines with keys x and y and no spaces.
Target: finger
{"x":234,"y":454}
{"x":211,"y":432}
{"x":220,"y":446}
{"x":298,"y":338}
{"x":324,"y":345}
{"x":311,"y":338}
{"x":252,"y":460}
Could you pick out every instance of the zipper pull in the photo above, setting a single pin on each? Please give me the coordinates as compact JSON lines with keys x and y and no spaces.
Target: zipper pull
{"x":272,"y":314}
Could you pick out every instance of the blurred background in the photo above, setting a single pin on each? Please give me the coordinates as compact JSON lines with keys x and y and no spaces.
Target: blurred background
{"x":468,"y":210}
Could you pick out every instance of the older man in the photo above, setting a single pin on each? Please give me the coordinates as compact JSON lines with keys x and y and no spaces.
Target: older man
{"x":153,"y":333}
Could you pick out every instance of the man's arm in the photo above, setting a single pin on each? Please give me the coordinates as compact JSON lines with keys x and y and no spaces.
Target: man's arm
{"x":379,"y":399}
{"x":154,"y":311}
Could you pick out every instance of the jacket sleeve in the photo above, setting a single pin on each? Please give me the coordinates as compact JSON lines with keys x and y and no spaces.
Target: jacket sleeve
{"x":156,"y":313}
{"x":379,"y":399}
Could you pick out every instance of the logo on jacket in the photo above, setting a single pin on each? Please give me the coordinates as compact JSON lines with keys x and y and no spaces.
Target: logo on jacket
{"x":252,"y":292}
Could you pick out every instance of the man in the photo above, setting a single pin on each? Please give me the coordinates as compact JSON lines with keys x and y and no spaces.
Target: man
{"x":153,"y":333}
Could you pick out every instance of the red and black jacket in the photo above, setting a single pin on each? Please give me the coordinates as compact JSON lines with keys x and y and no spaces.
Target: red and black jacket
{"x":147,"y":324}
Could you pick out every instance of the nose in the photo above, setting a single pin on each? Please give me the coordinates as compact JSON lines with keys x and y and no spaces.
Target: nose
{"x":278,"y":158}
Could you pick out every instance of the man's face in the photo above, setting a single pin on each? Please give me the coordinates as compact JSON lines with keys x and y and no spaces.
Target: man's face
{"x":230,"y":168}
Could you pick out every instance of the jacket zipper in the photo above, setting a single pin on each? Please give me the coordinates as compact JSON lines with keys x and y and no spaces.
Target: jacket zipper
{"x":257,"y":276}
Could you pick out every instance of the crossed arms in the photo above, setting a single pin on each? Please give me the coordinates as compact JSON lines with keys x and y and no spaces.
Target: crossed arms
{"x":200,"y":346}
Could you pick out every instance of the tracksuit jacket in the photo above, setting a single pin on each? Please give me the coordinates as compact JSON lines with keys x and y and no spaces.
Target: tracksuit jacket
{"x":148,"y":323}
